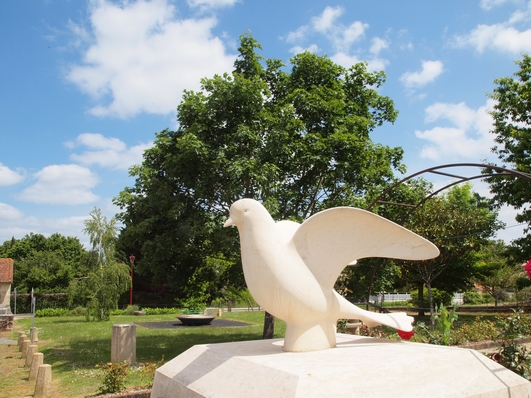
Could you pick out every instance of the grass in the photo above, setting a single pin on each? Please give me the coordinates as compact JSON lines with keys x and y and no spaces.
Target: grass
{"x":75,"y":347}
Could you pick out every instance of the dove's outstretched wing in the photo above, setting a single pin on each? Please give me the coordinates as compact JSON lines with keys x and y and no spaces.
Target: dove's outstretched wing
{"x":328,"y":241}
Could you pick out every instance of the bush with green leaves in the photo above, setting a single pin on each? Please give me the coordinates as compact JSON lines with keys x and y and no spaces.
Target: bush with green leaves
{"x":51,"y":312}
{"x":510,"y":354}
{"x":480,"y":329}
{"x":112,"y":377}
{"x":439,"y":296}
{"x":444,"y":323}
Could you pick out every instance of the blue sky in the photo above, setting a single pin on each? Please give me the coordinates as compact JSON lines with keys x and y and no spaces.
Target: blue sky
{"x":85,"y":85}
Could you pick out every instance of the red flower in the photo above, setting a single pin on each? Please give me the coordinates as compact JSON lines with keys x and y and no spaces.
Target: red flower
{"x":405,"y":335}
{"x":527,"y":268}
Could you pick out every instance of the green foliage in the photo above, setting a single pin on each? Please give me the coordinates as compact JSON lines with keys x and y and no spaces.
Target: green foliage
{"x":78,"y":311}
{"x":458,"y":222}
{"x":474,"y":297}
{"x":511,"y":355}
{"x":512,"y":129}
{"x":444,"y":323}
{"x":112,"y":377}
{"x":104,"y":288}
{"x":495,"y":274}
{"x":442,"y":297}
{"x":45,"y":264}
{"x":295,"y":138}
{"x":130,"y":310}
{"x":100,"y":290}
{"x":51,"y":312}
{"x":43,"y":300}
{"x":480,"y":329}
{"x":160,"y":311}
{"x":148,"y":372}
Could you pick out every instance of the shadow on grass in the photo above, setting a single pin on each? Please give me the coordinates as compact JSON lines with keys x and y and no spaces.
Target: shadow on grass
{"x":87,"y":353}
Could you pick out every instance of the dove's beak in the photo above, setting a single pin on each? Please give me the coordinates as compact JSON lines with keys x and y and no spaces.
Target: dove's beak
{"x":228,"y":223}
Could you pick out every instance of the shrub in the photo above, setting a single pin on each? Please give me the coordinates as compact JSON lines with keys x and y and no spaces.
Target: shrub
{"x":113,"y":377}
{"x":130,"y":310}
{"x":444,"y":322}
{"x":440,"y":297}
{"x":476,"y":331}
{"x":51,"y":312}
{"x":160,"y":311}
{"x":148,"y":372}
{"x":78,"y":311}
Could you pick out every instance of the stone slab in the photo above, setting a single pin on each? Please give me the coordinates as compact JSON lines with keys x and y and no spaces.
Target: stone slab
{"x":357,"y":367}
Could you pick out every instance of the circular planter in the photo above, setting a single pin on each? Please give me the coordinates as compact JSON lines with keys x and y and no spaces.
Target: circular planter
{"x":196,"y":320}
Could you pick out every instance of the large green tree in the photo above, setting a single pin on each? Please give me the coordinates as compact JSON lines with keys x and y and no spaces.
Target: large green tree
{"x":46,"y":264}
{"x":512,"y":127}
{"x":297,"y":140}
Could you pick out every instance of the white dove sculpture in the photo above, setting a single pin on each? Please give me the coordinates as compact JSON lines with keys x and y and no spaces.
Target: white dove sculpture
{"x":290,"y":268}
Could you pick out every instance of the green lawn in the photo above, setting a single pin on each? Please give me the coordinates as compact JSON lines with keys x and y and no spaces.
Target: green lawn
{"x":74,"y":347}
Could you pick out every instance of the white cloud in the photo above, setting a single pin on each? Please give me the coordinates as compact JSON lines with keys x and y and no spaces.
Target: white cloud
{"x":501,"y":36}
{"x":489,"y":4}
{"x":345,"y":60}
{"x":107,"y":152}
{"x":67,"y":184}
{"x":327,"y":20}
{"x":297,"y":35}
{"x":9,"y":177}
{"x":298,"y":49}
{"x":9,"y":213}
{"x":430,"y":71}
{"x":341,"y":37}
{"x":378,"y":45}
{"x":142,"y":57}
{"x":209,"y":4}
{"x":468,"y":139}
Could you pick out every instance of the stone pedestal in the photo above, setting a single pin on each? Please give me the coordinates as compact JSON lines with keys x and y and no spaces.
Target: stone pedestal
{"x":123,"y":345}
{"x":24,"y":349}
{"x":32,"y":349}
{"x":357,"y":367}
{"x":38,"y":359}
{"x":43,"y":382}
{"x":34,"y":335}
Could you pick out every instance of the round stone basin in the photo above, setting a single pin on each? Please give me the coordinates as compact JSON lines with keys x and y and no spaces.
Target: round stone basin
{"x":196,"y":320}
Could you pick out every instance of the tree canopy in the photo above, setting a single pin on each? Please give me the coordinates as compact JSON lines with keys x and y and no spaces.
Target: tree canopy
{"x":512,"y":127}
{"x":297,"y":140}
{"x":46,"y":264}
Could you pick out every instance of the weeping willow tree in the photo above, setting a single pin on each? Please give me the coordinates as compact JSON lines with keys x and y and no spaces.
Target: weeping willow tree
{"x":100,"y":290}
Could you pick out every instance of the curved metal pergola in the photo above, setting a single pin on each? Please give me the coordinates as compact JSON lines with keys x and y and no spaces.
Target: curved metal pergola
{"x":495,"y":171}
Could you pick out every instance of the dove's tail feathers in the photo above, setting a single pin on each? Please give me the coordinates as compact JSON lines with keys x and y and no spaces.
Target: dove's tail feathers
{"x":398,"y":320}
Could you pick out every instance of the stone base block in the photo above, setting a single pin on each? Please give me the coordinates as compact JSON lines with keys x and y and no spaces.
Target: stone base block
{"x":123,"y":343}
{"x":357,"y":367}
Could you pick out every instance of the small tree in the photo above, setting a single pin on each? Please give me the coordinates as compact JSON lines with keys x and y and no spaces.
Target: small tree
{"x":102,"y":288}
{"x":496,"y":275}
{"x":458,"y":223}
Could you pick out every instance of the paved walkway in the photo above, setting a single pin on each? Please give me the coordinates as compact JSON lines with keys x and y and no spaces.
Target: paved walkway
{"x":7,"y":342}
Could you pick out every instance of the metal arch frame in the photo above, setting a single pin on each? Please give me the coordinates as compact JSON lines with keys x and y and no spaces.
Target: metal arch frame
{"x":501,"y":171}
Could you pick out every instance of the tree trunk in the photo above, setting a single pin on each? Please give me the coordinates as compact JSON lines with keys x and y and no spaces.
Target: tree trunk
{"x":269,"y":326}
{"x":432,"y":310}
{"x":420,"y":303}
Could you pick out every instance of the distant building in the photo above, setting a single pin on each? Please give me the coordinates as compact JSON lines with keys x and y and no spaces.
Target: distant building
{"x":6,"y":278}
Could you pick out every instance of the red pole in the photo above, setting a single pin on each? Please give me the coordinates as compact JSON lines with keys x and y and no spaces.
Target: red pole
{"x":132,"y":262}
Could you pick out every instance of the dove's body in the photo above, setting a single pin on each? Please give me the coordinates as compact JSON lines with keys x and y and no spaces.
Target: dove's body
{"x":290,"y":269}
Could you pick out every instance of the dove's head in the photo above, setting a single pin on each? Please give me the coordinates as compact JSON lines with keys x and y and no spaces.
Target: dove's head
{"x":245,"y":209}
